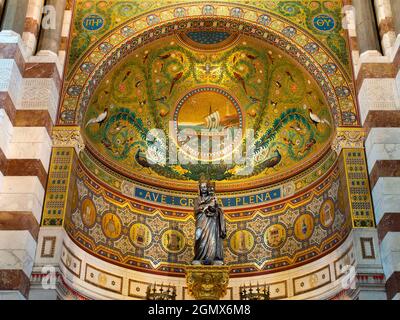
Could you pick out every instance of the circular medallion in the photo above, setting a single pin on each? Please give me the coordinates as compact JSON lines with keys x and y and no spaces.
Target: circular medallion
{"x":111,"y":225}
{"x":304,"y":226}
{"x":327,"y":213}
{"x":88,"y":213}
{"x":173,"y":241}
{"x":324,"y":22}
{"x":204,"y":115}
{"x":93,"y":22}
{"x":140,"y":235}
{"x":275,"y":235}
{"x":242,"y":241}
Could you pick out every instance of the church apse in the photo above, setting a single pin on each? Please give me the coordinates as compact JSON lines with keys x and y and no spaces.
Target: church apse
{"x":281,"y":73}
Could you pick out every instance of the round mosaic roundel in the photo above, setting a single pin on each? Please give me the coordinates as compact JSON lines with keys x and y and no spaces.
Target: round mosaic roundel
{"x":173,"y":241}
{"x":327,"y":213}
{"x":111,"y":225}
{"x":275,"y":235}
{"x":88,"y":213}
{"x":93,"y":22}
{"x":304,"y":226}
{"x":241,"y":241}
{"x":140,"y":235}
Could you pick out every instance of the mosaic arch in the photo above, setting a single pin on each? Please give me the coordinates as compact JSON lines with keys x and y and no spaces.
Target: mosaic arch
{"x":93,"y":19}
{"x":323,"y":64}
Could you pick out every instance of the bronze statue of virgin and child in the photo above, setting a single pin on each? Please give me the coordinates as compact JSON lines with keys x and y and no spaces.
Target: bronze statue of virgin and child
{"x":210,"y":227}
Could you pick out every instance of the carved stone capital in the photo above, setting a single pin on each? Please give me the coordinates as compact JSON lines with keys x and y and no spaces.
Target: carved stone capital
{"x":207,"y":282}
{"x":68,"y":136}
{"x":348,"y":138}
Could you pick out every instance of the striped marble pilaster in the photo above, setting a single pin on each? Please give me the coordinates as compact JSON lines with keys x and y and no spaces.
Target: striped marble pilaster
{"x":29,"y":93}
{"x":385,"y":23}
{"x":383,"y":154}
{"x":32,"y":24}
{"x":62,"y":53}
{"x":378,"y":89}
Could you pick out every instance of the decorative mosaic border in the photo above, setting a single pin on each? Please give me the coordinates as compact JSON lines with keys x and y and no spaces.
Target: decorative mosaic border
{"x":125,"y":186}
{"x":94,"y":239}
{"x":58,"y":186}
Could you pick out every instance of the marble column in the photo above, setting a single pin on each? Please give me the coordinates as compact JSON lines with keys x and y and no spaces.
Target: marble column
{"x":384,"y":18}
{"x":13,"y":17}
{"x":32,"y":25}
{"x":50,"y":39}
{"x":1,"y":7}
{"x":395,"y":4}
{"x":366,"y":27}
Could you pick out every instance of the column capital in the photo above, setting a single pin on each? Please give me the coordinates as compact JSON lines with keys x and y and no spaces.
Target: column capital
{"x":68,"y":136}
{"x":348,"y":138}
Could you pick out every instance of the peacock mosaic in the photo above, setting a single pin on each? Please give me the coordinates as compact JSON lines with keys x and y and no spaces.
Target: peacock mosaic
{"x":246,"y":86}
{"x":148,"y":237}
{"x":319,"y":44}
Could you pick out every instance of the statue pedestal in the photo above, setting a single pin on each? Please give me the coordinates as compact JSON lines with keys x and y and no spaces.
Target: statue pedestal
{"x":207,"y":282}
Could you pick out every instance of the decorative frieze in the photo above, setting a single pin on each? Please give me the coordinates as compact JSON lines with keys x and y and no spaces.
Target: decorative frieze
{"x":348,"y":138}
{"x":68,"y":136}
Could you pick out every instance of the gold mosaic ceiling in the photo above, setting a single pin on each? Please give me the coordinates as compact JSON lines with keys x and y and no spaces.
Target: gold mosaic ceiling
{"x":185,"y":79}
{"x":278,"y":68}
